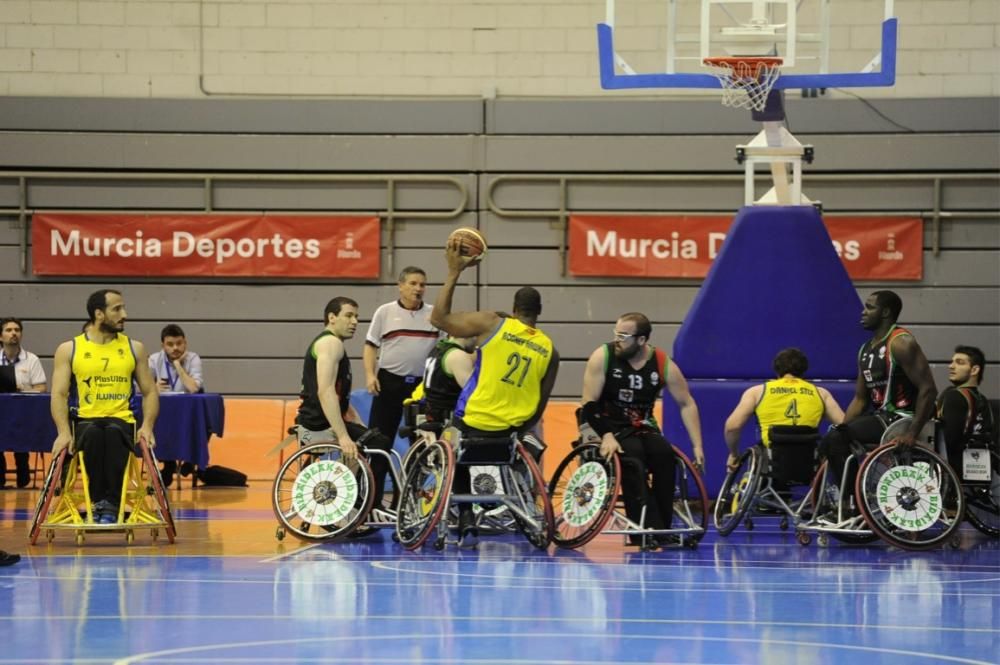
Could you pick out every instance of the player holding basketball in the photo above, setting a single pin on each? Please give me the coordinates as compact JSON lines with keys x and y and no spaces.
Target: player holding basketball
{"x":620,"y":386}
{"x":515,"y":370}
{"x":894,"y":380}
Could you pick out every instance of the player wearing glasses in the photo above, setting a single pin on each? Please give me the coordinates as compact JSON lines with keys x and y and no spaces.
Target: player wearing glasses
{"x":621,"y":383}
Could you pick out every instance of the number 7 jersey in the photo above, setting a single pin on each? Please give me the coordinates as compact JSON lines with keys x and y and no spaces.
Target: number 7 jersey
{"x":506,"y":383}
{"x":103,"y":376}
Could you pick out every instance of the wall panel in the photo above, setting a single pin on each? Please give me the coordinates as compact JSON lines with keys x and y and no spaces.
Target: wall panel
{"x":252,"y":332}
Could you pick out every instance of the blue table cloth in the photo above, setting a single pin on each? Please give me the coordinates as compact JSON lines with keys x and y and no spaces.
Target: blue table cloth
{"x":182,"y":429}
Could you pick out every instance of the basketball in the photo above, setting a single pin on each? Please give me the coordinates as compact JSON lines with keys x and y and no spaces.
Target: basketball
{"x":473,"y":242}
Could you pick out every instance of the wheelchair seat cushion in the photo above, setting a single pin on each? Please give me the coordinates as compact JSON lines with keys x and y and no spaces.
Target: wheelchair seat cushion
{"x":791,"y":435}
{"x":478,"y":449}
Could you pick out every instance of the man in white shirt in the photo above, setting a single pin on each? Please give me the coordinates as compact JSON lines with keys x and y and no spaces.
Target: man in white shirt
{"x":29,"y":376}
{"x":175,"y":370}
{"x":400,"y":337}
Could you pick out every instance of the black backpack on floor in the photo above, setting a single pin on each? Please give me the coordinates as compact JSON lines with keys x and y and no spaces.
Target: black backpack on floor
{"x":222,"y":476}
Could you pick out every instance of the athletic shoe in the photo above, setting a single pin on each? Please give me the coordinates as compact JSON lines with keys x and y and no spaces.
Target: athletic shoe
{"x":468,"y":534}
{"x":7,"y":559}
{"x":362,"y":532}
{"x":167,"y":472}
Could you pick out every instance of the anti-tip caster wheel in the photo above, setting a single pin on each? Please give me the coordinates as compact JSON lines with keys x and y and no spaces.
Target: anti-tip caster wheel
{"x":783,"y":524}
{"x":803,"y":538}
{"x":50,"y":535}
{"x":129,"y":537}
{"x":279,"y":533}
{"x":439,"y":543}
{"x":79,"y":538}
{"x":823,"y":540}
{"x":748,"y":524}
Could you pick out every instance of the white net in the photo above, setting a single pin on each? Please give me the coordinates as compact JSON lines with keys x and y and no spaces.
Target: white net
{"x":745,"y":82}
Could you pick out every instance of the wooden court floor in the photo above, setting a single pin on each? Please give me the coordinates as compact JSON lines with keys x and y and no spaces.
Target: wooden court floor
{"x":228,"y":592}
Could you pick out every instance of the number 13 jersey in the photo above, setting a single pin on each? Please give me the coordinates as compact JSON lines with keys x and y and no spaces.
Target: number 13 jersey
{"x":505,"y":386}
{"x":629,"y":394}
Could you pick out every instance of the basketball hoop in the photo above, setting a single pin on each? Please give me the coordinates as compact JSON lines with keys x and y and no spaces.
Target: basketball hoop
{"x":746,"y":80}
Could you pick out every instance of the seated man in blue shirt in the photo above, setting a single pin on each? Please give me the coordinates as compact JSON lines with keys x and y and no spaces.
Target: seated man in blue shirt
{"x":175,"y":370}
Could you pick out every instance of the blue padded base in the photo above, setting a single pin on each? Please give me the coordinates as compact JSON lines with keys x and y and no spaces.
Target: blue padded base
{"x":716,"y":400}
{"x":776,"y":283}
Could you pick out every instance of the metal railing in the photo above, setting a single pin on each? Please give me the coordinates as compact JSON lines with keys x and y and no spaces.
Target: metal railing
{"x":208,"y":181}
{"x":562,"y":212}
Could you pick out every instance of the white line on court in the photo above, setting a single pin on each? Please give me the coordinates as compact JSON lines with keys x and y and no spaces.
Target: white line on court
{"x":511,"y":619}
{"x":915,"y":656}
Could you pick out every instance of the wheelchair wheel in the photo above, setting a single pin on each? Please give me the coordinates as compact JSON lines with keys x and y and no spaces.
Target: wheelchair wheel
{"x":318,"y":497}
{"x":737,"y":492}
{"x":425,"y":493}
{"x":152,"y":468}
{"x":583,"y":492}
{"x":909,"y":497}
{"x":52,"y":484}
{"x":982,"y":501}
{"x":827,"y":503}
{"x":526,"y":482}
{"x":690,"y":499}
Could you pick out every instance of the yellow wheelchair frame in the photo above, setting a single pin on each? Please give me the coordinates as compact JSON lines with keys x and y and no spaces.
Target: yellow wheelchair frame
{"x":66,"y":504}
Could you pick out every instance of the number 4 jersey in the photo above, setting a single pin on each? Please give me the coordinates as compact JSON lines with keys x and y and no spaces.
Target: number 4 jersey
{"x":505,"y":386}
{"x":788,"y":401}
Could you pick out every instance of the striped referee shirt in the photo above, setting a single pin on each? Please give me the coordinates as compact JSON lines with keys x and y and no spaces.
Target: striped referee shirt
{"x":404,"y":337}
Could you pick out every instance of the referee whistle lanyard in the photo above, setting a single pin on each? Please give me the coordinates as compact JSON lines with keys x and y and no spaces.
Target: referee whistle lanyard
{"x":172,"y":375}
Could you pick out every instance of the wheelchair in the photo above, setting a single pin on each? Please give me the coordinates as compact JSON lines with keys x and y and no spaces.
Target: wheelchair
{"x":485,"y":479}
{"x":982,"y":490}
{"x":766,"y":481}
{"x":585,"y":491}
{"x":427,"y":488}
{"x":65,"y":504}
{"x":907,"y":496}
{"x":981,"y":485}
{"x":319,"y":497}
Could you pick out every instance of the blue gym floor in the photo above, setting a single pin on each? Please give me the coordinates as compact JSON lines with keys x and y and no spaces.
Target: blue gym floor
{"x":755,"y":597}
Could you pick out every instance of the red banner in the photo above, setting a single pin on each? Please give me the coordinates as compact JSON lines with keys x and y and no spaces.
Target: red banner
{"x":871,"y":248}
{"x":205,"y":245}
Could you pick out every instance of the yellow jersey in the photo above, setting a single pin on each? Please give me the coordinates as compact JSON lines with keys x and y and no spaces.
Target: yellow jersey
{"x":506,"y":383}
{"x":788,"y":401}
{"x":102,"y":376}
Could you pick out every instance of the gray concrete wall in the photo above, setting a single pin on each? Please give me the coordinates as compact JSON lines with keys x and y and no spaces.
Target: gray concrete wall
{"x":139,"y":48}
{"x":251,"y":332}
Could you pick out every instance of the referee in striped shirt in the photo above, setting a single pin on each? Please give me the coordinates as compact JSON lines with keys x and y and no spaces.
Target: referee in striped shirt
{"x":399,"y":340}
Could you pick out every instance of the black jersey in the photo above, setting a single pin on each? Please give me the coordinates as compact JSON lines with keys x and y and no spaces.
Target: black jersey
{"x":966,"y":414}
{"x":629,"y":394}
{"x":310,"y":411}
{"x":441,"y":390}
{"x":888,"y":386}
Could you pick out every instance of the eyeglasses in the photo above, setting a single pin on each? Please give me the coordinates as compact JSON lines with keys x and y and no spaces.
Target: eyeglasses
{"x":621,"y":337}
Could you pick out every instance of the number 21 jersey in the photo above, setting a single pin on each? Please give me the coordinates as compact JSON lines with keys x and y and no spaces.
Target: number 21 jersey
{"x":505,"y":386}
